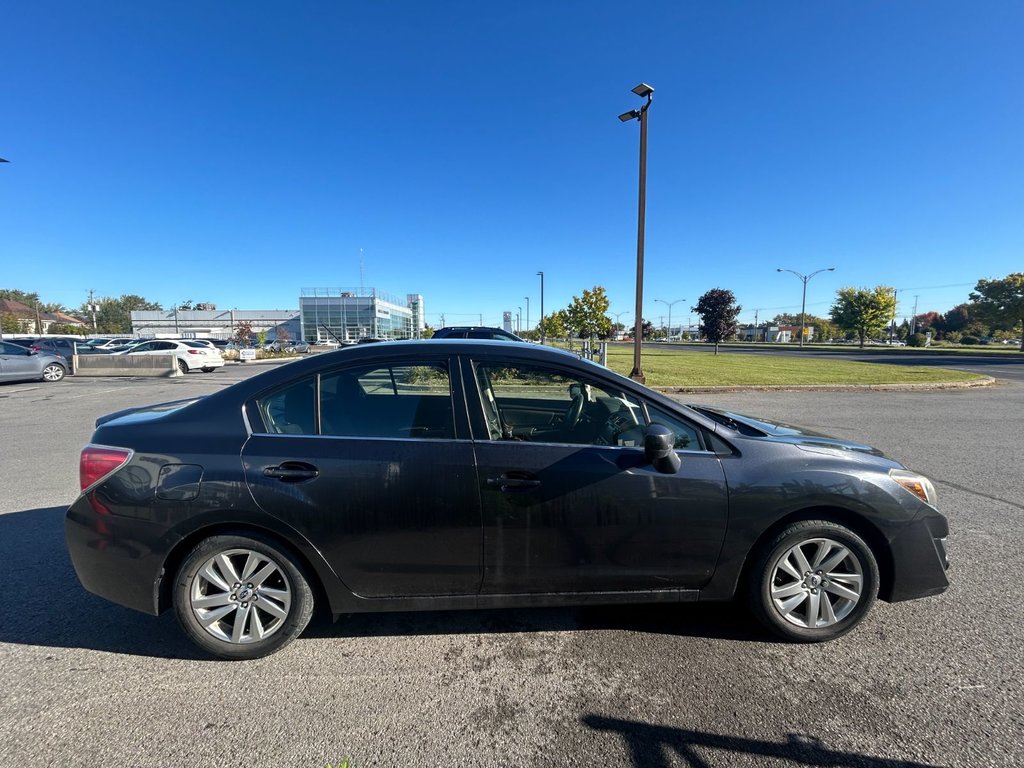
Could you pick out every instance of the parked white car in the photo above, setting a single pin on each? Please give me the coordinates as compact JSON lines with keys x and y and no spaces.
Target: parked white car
{"x":191,"y":355}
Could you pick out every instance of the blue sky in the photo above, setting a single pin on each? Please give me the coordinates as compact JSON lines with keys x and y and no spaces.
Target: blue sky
{"x":239,"y":152}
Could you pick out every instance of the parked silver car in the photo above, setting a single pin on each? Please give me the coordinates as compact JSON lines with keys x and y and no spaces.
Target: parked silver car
{"x":18,"y":363}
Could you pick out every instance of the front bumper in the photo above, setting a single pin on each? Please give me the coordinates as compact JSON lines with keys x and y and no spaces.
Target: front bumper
{"x":919,"y":559}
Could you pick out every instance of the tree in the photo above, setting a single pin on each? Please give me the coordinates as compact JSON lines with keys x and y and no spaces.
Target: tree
{"x":864,"y":311}
{"x":587,"y":315}
{"x":553,"y":325}
{"x":647,"y":330}
{"x":1002,"y":302}
{"x":718,"y":311}
{"x":204,"y":306}
{"x":9,"y":323}
{"x":13,"y":294}
{"x":823,"y":327}
{"x":115,"y":315}
{"x":244,"y":335}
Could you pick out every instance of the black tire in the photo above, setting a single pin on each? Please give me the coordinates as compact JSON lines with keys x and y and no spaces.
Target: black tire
{"x":777,"y":566}
{"x":208,"y":370}
{"x":54,"y":372}
{"x":240,"y":601}
{"x":182,"y":366}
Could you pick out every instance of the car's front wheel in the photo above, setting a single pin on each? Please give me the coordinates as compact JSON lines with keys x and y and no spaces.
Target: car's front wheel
{"x":814,"y":581}
{"x":241,"y":597}
{"x":54,"y":372}
{"x":182,"y":366}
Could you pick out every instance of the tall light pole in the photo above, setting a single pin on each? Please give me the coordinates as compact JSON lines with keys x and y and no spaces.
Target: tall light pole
{"x":527,"y":312}
{"x":643,"y":91}
{"x":670,"y":305}
{"x":803,"y":304}
{"x":541,"y":274}
{"x":519,"y":320}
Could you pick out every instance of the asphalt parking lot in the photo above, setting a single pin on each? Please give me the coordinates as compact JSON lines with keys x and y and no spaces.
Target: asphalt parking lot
{"x":934,"y":682}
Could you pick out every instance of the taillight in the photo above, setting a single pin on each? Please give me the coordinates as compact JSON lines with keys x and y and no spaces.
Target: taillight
{"x":194,"y":352}
{"x":99,"y":461}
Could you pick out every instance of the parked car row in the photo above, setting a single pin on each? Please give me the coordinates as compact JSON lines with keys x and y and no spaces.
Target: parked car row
{"x":18,"y":363}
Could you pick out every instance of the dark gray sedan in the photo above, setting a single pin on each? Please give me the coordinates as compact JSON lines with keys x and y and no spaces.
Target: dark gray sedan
{"x":17,"y":363}
{"x":463,"y":474}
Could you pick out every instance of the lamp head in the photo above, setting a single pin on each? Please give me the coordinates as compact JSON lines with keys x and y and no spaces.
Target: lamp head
{"x":643,"y":90}
{"x":633,"y":114}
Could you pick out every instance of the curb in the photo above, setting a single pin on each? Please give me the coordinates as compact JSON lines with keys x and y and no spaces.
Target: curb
{"x":985,"y":381}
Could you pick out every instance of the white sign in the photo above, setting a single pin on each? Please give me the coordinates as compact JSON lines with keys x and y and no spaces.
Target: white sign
{"x":246,"y":354}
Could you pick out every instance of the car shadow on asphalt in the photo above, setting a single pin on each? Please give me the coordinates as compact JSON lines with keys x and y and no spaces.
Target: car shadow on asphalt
{"x":45,"y":605}
{"x":656,"y":746}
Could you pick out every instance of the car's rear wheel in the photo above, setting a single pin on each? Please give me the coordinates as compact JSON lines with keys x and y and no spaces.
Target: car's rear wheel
{"x":209,"y":370}
{"x":54,"y":372}
{"x":241,"y":597}
{"x":182,"y":366}
{"x":814,"y":581}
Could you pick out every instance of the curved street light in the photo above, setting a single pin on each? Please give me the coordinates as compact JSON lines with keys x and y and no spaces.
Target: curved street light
{"x":643,"y":91}
{"x":803,"y":305}
{"x":670,"y":305}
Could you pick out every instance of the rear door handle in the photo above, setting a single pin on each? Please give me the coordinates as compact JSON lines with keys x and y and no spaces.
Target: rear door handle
{"x":508,"y":482}
{"x":292,"y":472}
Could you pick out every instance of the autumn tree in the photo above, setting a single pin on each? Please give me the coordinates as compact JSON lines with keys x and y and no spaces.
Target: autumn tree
{"x":244,"y":334}
{"x":718,"y":311}
{"x":1002,"y":302}
{"x":587,"y":315}
{"x":864,"y":311}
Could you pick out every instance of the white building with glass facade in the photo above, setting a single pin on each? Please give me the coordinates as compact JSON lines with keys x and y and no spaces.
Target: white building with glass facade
{"x":350,"y":314}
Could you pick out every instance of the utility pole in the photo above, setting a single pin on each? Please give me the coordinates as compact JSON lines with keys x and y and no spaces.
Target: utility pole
{"x":481,"y":319}
{"x":541,"y":275}
{"x":92,"y":309}
{"x":755,"y":324}
{"x":913,"y":319}
{"x":527,"y":312}
{"x":442,"y":319}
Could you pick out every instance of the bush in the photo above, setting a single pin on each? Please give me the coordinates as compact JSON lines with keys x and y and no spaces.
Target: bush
{"x":969,"y":340}
{"x":916,"y":340}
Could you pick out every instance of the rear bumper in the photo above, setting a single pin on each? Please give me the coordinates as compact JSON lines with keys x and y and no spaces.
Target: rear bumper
{"x":198,"y":363}
{"x":919,"y":559}
{"x":111,"y":558}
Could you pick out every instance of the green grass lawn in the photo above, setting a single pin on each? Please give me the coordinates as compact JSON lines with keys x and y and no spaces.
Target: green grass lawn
{"x":667,"y":368}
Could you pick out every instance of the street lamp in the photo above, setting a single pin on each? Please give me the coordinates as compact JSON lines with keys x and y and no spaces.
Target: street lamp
{"x":803,"y":305}
{"x":519,"y":320}
{"x":670,"y":305}
{"x":643,"y":91}
{"x":527,"y":312}
{"x":541,"y":274}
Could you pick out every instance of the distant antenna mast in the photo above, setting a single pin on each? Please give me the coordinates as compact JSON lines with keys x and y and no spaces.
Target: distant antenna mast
{"x":362,"y":288}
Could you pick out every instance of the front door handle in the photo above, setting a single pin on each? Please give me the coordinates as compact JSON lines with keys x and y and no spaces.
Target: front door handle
{"x":513,"y":481}
{"x":292,"y":472}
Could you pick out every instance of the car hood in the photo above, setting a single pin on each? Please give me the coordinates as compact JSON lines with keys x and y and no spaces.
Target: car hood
{"x":754,"y":426}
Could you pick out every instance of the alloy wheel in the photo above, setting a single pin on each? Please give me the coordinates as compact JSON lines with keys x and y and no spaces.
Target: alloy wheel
{"x":53,"y":372}
{"x":816,"y":583}
{"x":240,"y":596}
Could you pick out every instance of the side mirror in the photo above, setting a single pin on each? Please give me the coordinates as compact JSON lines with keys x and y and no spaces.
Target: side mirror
{"x":33,"y":352}
{"x":660,"y":449}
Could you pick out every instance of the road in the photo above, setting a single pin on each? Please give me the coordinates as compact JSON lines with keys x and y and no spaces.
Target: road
{"x":934,"y":682}
{"x":1005,"y":365}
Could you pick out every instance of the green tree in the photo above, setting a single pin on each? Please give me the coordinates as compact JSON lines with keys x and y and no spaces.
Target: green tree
{"x":115,"y":315}
{"x":587,"y":315}
{"x":864,"y":312}
{"x":718,"y":311}
{"x":13,"y":294}
{"x":553,"y":325}
{"x":9,"y":323}
{"x":1001,"y":302}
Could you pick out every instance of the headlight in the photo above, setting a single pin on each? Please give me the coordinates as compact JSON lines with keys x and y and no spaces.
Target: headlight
{"x":919,"y":485}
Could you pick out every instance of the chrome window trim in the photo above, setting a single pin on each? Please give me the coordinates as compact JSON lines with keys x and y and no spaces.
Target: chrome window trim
{"x":358,"y":437}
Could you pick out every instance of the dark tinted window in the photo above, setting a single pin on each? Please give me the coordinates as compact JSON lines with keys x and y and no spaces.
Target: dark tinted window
{"x":410,"y":401}
{"x":12,"y":349}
